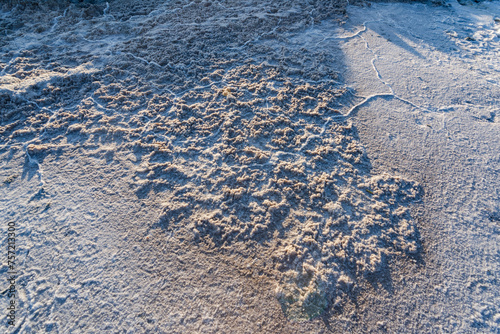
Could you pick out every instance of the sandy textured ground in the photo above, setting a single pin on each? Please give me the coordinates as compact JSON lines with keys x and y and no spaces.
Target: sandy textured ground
{"x":267,"y":167}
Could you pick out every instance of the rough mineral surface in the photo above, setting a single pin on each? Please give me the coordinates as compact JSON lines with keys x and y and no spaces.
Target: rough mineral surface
{"x":243,"y":136}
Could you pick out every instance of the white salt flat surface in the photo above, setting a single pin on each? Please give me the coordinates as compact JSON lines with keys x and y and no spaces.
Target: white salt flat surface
{"x":252,"y":167}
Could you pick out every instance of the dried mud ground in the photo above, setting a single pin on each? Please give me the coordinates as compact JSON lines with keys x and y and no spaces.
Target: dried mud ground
{"x":251,"y":167}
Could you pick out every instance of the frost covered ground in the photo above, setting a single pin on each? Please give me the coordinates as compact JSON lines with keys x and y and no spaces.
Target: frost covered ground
{"x":227,"y":166}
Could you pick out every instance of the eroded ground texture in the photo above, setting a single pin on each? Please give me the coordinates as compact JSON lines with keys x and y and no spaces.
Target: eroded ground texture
{"x":179,"y":166}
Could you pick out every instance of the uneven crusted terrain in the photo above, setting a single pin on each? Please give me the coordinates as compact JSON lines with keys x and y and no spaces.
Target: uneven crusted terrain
{"x":195,"y":167}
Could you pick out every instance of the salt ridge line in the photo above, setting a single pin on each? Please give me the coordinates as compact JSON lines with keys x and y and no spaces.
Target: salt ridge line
{"x":56,"y":20}
{"x":34,"y":161}
{"x":344,"y":38}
